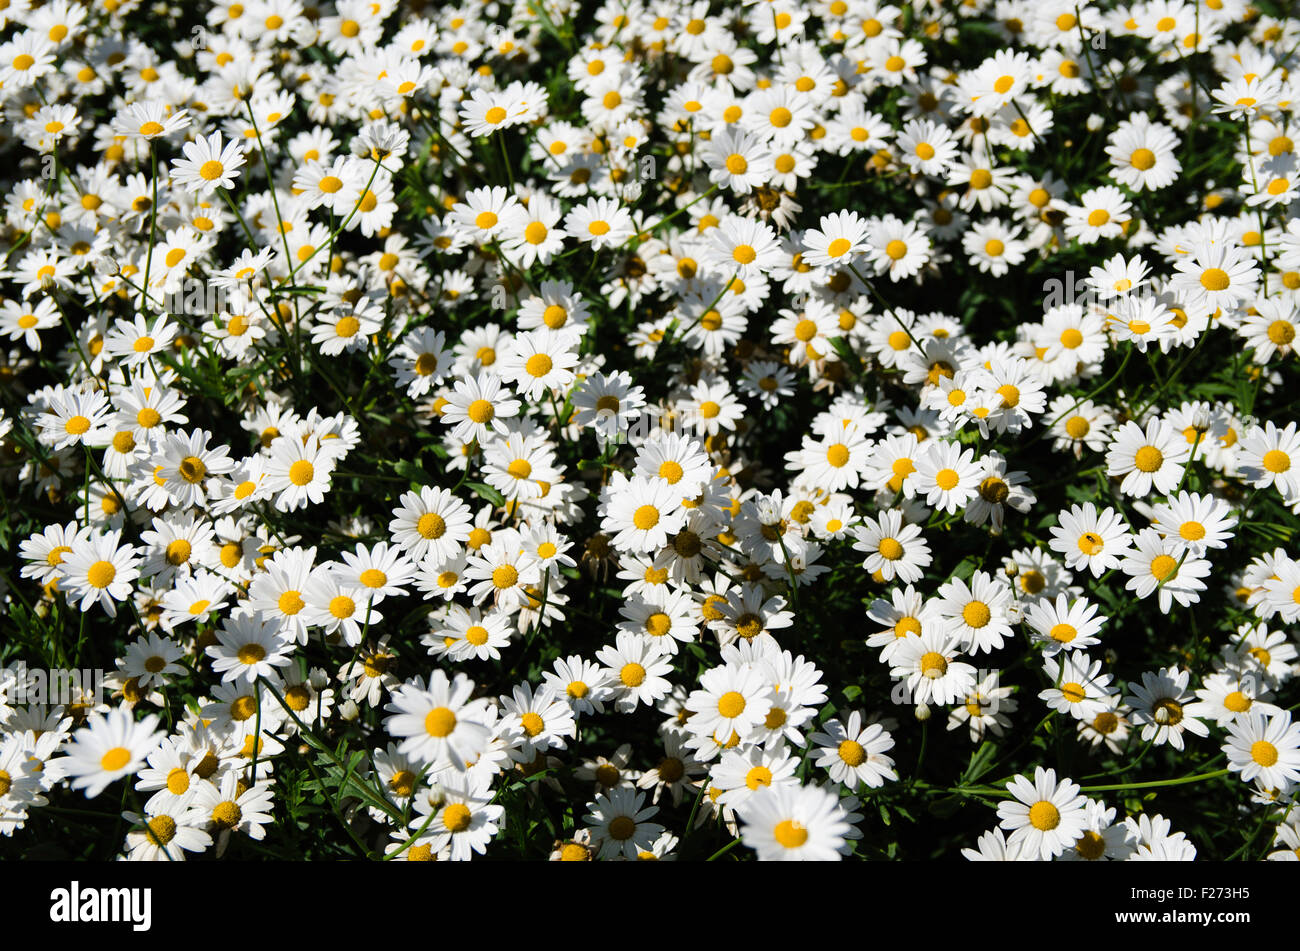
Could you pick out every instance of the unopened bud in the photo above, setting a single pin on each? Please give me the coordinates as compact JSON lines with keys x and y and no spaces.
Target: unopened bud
{"x":922,"y":712}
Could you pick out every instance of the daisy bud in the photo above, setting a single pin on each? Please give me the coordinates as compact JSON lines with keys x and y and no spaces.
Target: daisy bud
{"x":349,"y":711}
{"x":1095,"y":122}
{"x":922,"y":712}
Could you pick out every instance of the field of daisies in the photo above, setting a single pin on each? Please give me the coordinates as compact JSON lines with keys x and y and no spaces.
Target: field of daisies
{"x":655,"y":429}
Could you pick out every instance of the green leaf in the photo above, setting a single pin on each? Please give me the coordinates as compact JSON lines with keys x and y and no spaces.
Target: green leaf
{"x":412,"y":471}
{"x":980,"y":761}
{"x":946,"y":807}
{"x":486,"y":492}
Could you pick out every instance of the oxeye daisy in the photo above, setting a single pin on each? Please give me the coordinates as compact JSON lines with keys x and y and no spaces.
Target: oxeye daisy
{"x":1160,"y":706}
{"x":580,"y":682}
{"x":906,"y":612}
{"x":228,"y":806}
{"x":1246,"y":96}
{"x":133,"y":342}
{"x":536,"y":721}
{"x":208,"y":165}
{"x":193,"y":599}
{"x":439,"y":724}
{"x":618,"y":823}
{"x":842,"y":235}
{"x":1267,"y":748}
{"x":538,"y":237}
{"x":501,"y":573}
{"x":992,"y":846}
{"x":737,"y":161}
{"x":1270,"y":456}
{"x":380,"y":571}
{"x":1141,"y":153}
{"x":1150,"y":838}
{"x":1046,"y":817}
{"x":165,"y":833}
{"x":1193,"y":521}
{"x":346,"y":329}
{"x":927,"y":147}
{"x":537,"y":361}
{"x":431,"y":522}
{"x":600,"y":222}
{"x":975,"y":612}
{"x":1158,"y":565}
{"x":1266,"y":654}
{"x":997,"y":81}
{"x":107,"y":748}
{"x":298,"y":473}
{"x":149,"y":120}
{"x":485,"y":212}
{"x":643,"y":513}
{"x":664,"y":616}
{"x":187,"y":464}
{"x":1099,"y":215}
{"x":634,"y":668}
{"x":1231,"y":696}
{"x":928,"y":664}
{"x":998,"y":490}
{"x":677,"y":460}
{"x":852,"y":753}
{"x":1147,"y":459}
{"x":1079,"y":688}
{"x":465,"y":819}
{"x":477,"y":407}
{"x":893,"y":549}
{"x":421,"y":361}
{"x":1114,"y":278}
{"x":100,"y":568}
{"x":1078,"y":424}
{"x":1215,"y":275}
{"x":729,"y":701}
{"x":462,"y":634}
{"x":277,"y":590}
{"x":249,"y":647}
{"x":1270,"y":330}
{"x":897,"y":248}
{"x":794,"y":823}
{"x":948,"y":476}
{"x":45,"y":551}
{"x":25,"y":322}
{"x":984,"y":709}
{"x":1064,"y":625}
{"x":484,"y":112}
{"x":337,"y":608}
{"x":742,"y":248}
{"x":74,"y":417}
{"x":741,"y":773}
{"x":994,"y":246}
{"x":1091,"y":539}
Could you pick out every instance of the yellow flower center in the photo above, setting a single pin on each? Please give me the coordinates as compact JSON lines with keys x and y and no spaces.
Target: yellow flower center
{"x":439,"y":722}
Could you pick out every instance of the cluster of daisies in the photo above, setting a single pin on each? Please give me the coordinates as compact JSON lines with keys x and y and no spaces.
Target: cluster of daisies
{"x":467,"y":387}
